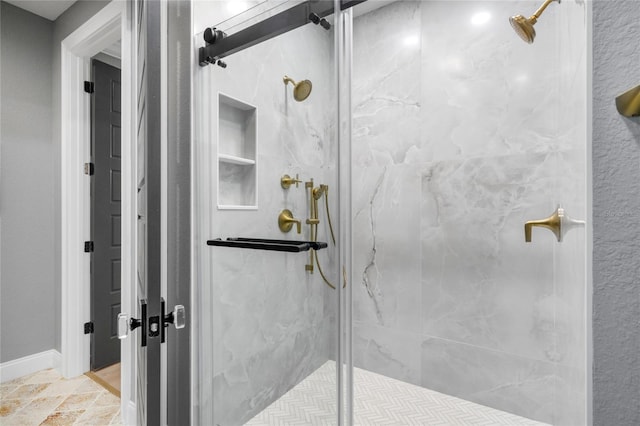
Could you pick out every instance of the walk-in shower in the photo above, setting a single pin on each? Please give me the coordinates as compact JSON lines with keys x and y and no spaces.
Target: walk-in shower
{"x":440,"y":139}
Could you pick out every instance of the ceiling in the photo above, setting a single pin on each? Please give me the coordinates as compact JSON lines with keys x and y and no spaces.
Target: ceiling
{"x":49,"y":9}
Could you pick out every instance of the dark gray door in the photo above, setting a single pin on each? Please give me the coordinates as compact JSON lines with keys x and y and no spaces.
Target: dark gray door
{"x":105,"y":215}
{"x":150,"y":124}
{"x":149,"y":172}
{"x":179,"y":35}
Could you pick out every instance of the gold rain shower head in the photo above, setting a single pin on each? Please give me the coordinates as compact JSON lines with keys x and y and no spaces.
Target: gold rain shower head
{"x":301,"y":90}
{"x":524,"y":26}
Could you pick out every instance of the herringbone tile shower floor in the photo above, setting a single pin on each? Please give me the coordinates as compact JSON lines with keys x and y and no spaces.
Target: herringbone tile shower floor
{"x":379,"y":400}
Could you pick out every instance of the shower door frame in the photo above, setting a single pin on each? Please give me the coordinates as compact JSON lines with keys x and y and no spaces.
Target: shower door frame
{"x":343,"y":120}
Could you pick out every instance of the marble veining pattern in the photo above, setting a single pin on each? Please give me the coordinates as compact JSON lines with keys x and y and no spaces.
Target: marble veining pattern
{"x":462,"y":133}
{"x":459,"y":136}
{"x":266,"y":322}
{"x":371,"y":274}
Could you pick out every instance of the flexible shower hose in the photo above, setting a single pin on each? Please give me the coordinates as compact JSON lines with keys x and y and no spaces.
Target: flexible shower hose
{"x":314,"y":238}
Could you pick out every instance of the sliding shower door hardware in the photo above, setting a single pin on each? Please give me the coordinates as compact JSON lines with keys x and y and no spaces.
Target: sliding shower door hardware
{"x":315,"y":19}
{"x":218,"y":46}
{"x":88,"y":246}
{"x":88,"y":327}
{"x":89,"y":87}
{"x":211,"y":35}
{"x":325,"y":24}
{"x":348,"y":4}
{"x":89,"y":169}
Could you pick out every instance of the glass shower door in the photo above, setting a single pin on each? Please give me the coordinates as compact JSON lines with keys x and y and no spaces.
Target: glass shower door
{"x":266,"y":186}
{"x":461,"y":134}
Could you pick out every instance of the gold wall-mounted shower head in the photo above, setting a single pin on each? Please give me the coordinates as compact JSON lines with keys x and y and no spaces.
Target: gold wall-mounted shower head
{"x":301,"y":90}
{"x":524,"y":26}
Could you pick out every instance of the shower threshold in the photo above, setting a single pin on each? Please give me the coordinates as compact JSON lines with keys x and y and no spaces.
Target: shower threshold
{"x":379,"y":400}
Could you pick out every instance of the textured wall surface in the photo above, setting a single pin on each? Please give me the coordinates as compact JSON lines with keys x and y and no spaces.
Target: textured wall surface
{"x":26,"y":194}
{"x":266,"y":323}
{"x":462,"y":132}
{"x":616,"y":216}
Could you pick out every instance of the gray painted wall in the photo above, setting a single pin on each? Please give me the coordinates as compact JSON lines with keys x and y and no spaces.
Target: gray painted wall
{"x":616,"y":216}
{"x":30,"y":187}
{"x":26,"y":192}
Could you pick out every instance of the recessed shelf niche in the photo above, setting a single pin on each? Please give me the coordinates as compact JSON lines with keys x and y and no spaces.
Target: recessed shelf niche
{"x":237,"y":147}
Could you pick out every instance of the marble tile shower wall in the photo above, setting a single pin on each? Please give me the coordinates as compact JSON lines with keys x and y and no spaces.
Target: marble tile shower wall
{"x":462,"y":132}
{"x":266,"y":323}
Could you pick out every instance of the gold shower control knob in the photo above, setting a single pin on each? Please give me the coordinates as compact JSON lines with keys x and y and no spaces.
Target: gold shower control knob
{"x":286,"y":221}
{"x":286,"y":181}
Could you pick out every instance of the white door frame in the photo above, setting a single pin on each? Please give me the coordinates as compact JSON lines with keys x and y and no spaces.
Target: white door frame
{"x":109,"y":25}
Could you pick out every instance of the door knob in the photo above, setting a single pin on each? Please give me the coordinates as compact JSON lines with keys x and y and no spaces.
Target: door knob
{"x":177,"y":317}
{"x":559,"y":223}
{"x":126,"y":324}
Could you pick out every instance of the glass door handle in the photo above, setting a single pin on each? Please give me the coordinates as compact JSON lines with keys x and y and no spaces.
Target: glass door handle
{"x":126,"y":323}
{"x":178,"y":317}
{"x":559,"y":223}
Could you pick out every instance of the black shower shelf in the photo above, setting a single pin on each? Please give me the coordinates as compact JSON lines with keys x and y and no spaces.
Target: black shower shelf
{"x":290,"y":246}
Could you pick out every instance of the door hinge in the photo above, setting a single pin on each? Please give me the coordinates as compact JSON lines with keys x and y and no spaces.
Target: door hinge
{"x":88,"y":246}
{"x":89,"y":86}
{"x":89,"y":169}
{"x":88,"y":327}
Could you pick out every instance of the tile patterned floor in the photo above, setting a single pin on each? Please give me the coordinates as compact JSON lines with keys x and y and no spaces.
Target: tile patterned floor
{"x":45,"y":398}
{"x":379,"y":400}
{"x":108,"y":377}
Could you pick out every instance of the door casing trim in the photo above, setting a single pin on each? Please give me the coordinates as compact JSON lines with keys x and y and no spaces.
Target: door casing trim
{"x":110,"y":24}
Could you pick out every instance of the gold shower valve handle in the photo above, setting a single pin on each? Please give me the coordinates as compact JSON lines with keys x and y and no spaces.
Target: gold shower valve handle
{"x":286,"y":181}
{"x":286,"y":221}
{"x":559,"y":223}
{"x":552,"y":223}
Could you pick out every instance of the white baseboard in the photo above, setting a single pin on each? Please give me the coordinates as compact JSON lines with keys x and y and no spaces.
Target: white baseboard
{"x":129,"y":413}
{"x":29,"y":364}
